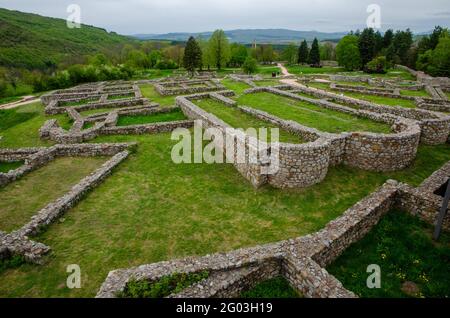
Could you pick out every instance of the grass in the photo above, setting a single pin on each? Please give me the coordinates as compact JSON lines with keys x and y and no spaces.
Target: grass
{"x":10,"y":99}
{"x":267,"y":82}
{"x":11,"y":117}
{"x":402,"y":246}
{"x":151,"y":210}
{"x":148,"y":119}
{"x":238,"y":119}
{"x":166,"y":286}
{"x":7,"y":166}
{"x":150,"y":92}
{"x":311,"y":115}
{"x":20,"y":200}
{"x":117,"y":97}
{"x":79,"y":103}
{"x":277,"y":287}
{"x":168,"y":213}
{"x":237,"y":87}
{"x":421,"y":93}
{"x":305,"y":70}
{"x":370,"y":98}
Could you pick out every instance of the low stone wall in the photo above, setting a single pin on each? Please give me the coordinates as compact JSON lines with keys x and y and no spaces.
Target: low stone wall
{"x":299,"y":165}
{"x":435,"y":126}
{"x":17,"y":242}
{"x":186,"y":88}
{"x":106,"y":124}
{"x":301,"y":260}
{"x":368,"y":151}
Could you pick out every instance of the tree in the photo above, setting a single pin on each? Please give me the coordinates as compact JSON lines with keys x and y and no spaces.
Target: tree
{"x":388,"y":37}
{"x":290,"y":54}
{"x":327,"y":52}
{"x":440,"y":58}
{"x":192,"y":55}
{"x":250,"y":65}
{"x":303,"y":53}
{"x":347,"y":53}
{"x":174,"y":53}
{"x":239,"y":54}
{"x":378,"y":65}
{"x":219,"y":48}
{"x":367,"y":45}
{"x":401,"y":45}
{"x":314,"y":54}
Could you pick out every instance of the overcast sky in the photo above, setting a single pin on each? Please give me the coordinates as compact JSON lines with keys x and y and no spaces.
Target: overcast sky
{"x":163,"y":16}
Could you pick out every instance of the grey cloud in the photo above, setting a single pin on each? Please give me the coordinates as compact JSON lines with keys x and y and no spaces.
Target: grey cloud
{"x":162,"y":16}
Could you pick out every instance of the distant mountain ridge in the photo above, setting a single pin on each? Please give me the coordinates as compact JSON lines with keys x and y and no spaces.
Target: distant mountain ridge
{"x":246,"y":36}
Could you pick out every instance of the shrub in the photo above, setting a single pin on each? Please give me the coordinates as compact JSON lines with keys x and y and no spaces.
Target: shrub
{"x":167,"y":285}
{"x":378,"y":65}
{"x":250,"y":65}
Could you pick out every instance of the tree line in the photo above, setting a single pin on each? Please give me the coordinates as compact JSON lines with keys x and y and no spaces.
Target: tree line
{"x":373,"y":52}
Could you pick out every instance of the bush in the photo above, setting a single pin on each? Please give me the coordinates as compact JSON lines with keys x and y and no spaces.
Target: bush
{"x":166,"y":65}
{"x":250,"y":65}
{"x":378,"y":65}
{"x":164,"y":287}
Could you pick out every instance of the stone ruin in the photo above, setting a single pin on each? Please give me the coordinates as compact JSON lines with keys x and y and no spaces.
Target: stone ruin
{"x":17,"y":243}
{"x":301,"y":261}
{"x":303,"y":165}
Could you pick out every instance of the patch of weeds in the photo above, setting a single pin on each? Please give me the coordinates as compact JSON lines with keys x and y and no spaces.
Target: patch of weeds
{"x":167,"y":285}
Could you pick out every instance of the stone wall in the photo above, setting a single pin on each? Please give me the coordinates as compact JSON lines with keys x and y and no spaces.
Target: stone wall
{"x":17,"y":242}
{"x":299,"y":165}
{"x":301,"y":260}
{"x":106,"y":124}
{"x":368,"y":151}
{"x":435,"y":126}
{"x":188,"y":87}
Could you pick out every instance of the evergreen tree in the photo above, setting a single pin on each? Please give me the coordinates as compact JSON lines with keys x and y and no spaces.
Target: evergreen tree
{"x":314,"y":54}
{"x":367,"y":45}
{"x":388,"y":37}
{"x":192,"y":56}
{"x":303,"y":53}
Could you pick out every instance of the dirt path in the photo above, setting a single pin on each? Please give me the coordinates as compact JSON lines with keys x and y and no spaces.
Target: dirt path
{"x":24,"y":101}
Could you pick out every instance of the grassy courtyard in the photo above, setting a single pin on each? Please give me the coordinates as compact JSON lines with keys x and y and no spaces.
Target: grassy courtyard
{"x":402,"y":246}
{"x":175,"y":115}
{"x":149,"y":91}
{"x":370,"y":98}
{"x":237,"y":87}
{"x":238,"y":119}
{"x":23,"y":198}
{"x":311,"y":115}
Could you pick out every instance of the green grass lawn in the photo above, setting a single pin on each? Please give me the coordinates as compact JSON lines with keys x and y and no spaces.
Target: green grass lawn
{"x":238,"y":119}
{"x":268,"y":82}
{"x":370,"y":98}
{"x":421,"y":93}
{"x":306,"y":70}
{"x":311,"y":115}
{"x":274,"y":288}
{"x":7,"y":166}
{"x":237,"y":87}
{"x":118,"y":97}
{"x":23,"y":198}
{"x":149,"y":92}
{"x":402,"y":246}
{"x":79,"y":103}
{"x":175,"y":115}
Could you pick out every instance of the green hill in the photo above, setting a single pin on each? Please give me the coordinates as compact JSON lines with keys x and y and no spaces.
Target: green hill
{"x":34,"y":42}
